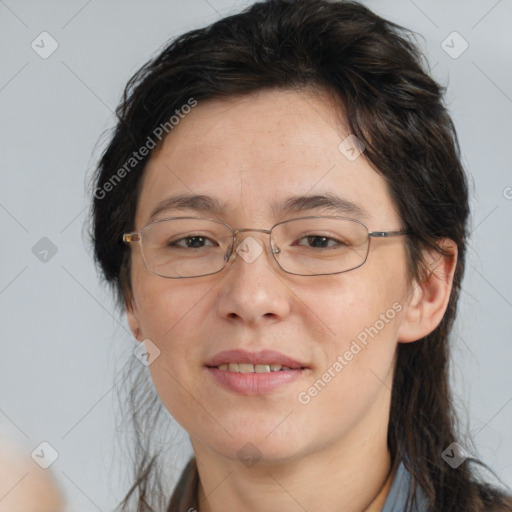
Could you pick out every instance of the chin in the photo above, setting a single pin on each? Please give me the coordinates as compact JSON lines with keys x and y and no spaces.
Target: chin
{"x":252,"y":452}
{"x":255,"y":443}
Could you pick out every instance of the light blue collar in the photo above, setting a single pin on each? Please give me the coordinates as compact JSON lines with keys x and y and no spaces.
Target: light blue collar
{"x":399,"y":496}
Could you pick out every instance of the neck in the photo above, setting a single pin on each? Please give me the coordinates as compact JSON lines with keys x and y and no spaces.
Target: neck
{"x":378,"y":503}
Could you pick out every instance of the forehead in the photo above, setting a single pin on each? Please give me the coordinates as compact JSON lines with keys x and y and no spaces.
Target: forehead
{"x":254,"y":152}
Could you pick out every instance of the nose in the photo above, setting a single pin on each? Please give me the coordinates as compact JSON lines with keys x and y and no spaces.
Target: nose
{"x":253,"y":290}
{"x":249,"y":249}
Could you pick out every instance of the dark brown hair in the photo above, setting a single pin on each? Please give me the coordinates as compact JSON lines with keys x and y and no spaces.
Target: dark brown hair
{"x":396,"y":109}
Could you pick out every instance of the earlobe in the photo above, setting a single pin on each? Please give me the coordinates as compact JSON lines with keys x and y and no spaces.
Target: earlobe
{"x":429,"y":297}
{"x":132,"y":315}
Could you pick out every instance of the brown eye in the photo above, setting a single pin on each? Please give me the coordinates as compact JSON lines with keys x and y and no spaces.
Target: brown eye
{"x":193,"y":242}
{"x":321,"y":242}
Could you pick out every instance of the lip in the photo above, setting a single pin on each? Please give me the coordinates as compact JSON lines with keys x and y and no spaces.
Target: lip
{"x":261,"y":357}
{"x":254,"y":383}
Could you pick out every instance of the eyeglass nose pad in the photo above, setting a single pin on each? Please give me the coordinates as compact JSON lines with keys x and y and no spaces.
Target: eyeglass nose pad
{"x":231,"y":254}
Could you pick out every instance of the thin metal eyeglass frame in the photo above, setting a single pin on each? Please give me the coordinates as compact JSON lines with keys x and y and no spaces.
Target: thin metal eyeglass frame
{"x":137,"y":237}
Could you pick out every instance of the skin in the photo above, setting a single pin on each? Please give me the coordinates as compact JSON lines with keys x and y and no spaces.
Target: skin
{"x":330,"y":454}
{"x":25,"y":486}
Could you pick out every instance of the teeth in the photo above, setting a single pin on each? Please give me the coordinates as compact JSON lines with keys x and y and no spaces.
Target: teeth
{"x":251,"y":368}
{"x":244,"y":367}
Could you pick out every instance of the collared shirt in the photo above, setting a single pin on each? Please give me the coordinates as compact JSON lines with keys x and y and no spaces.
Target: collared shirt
{"x":399,"y":498}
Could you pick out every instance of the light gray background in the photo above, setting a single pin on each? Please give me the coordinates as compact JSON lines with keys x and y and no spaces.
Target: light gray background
{"x":62,"y":343}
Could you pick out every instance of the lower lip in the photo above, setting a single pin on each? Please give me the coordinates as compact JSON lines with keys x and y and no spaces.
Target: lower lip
{"x":254,"y":383}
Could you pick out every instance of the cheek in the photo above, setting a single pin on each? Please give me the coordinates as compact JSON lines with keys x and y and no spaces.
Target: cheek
{"x":363,"y":317}
{"x":357,"y":361}
{"x":163,"y":304}
{"x":356,"y":305}
{"x":170,"y":315}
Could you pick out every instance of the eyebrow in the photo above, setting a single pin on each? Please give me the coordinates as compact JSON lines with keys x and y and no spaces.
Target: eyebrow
{"x":327,"y":202}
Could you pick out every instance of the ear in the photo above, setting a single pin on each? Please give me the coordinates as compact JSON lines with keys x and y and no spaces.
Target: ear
{"x":429,"y":298}
{"x":132,"y":315}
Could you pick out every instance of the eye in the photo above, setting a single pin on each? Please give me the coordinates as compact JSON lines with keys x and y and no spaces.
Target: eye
{"x":193,"y":242}
{"x":322,"y":242}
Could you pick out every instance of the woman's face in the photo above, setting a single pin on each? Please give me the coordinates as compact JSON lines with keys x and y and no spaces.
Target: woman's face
{"x":342,"y":330}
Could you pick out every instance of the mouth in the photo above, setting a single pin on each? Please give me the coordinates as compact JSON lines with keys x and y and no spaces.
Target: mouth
{"x":254,"y":368}
{"x":250,"y":373}
{"x":264,"y":361}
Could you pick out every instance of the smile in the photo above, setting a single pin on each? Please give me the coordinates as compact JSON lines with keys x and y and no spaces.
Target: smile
{"x":253,"y":368}
{"x":254,"y":373}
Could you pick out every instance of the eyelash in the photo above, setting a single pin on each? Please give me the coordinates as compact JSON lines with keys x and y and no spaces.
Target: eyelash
{"x":338,"y":242}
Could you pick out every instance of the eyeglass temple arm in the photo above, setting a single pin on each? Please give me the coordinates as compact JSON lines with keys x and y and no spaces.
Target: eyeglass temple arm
{"x":131,"y":237}
{"x":384,"y":234}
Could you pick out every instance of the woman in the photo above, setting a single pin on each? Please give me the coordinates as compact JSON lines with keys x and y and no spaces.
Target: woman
{"x":282,"y":213}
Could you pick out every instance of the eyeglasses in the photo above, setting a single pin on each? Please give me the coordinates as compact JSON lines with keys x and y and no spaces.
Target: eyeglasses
{"x":182,"y":247}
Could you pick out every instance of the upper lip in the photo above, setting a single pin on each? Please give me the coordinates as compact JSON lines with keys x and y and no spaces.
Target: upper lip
{"x":261,"y":357}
